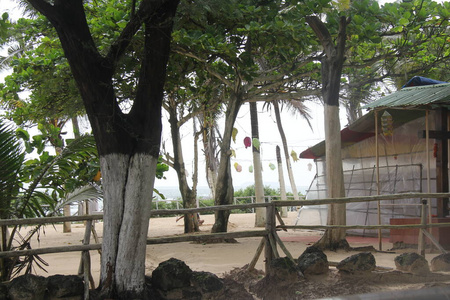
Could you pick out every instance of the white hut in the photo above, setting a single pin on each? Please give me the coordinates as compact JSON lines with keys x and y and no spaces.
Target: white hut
{"x":402,"y":121}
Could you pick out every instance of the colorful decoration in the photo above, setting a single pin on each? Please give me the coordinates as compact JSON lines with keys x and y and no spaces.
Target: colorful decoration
{"x":250,"y":169}
{"x":256,"y":143}
{"x":272,"y":166}
{"x":97,"y":176}
{"x":294,"y":155}
{"x":233,"y":153}
{"x":247,"y":142}
{"x":238,"y":167}
{"x":233,"y":134}
{"x":387,"y":124}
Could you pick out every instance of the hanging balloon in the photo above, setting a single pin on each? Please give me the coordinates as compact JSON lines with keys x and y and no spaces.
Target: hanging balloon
{"x":272,"y":166}
{"x":238,"y":167}
{"x":247,"y":142}
{"x":387,"y":124}
{"x":234,"y":133}
{"x":250,"y":169}
{"x":294,"y":155}
{"x":256,"y":143}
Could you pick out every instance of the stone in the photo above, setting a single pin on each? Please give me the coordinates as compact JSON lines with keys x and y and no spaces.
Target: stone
{"x":3,"y":291}
{"x":207,"y":282}
{"x":313,"y":261}
{"x":68,"y":287}
{"x":441,"y":263}
{"x":27,"y":287}
{"x":412,"y":262}
{"x":283,"y":269}
{"x":233,"y":290}
{"x":171,"y":274}
{"x":361,"y":262}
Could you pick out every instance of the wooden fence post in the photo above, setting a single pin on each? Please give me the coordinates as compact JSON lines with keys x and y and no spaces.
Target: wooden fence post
{"x":270,"y":228}
{"x":423,"y":222}
{"x":85,"y":264}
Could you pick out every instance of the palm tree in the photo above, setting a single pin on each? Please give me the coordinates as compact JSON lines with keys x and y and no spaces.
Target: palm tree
{"x":296,"y":107}
{"x":27,"y":187}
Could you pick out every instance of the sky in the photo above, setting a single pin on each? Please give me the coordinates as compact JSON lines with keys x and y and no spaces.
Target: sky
{"x":298,"y":133}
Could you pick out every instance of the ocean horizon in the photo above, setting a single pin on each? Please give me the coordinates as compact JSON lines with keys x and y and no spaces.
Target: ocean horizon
{"x":204,"y":192}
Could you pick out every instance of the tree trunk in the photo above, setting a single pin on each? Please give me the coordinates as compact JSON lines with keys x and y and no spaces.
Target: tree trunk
{"x":260,"y":217}
{"x":128,"y":144}
{"x":332,"y":64}
{"x":281,"y":180}
{"x":128,"y":186}
{"x":210,"y":146}
{"x":285,"y":149}
{"x":187,"y":194}
{"x":224,"y":186}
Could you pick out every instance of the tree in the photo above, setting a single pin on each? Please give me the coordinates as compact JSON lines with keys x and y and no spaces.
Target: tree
{"x":368,"y":41}
{"x":27,"y":185}
{"x":189,"y":195}
{"x":260,"y":218}
{"x":244,"y":37}
{"x":332,"y":63}
{"x":300,"y":108}
{"x":128,"y":143}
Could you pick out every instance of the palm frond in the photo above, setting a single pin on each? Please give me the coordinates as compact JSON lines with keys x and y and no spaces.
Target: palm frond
{"x":87,"y":192}
{"x":80,"y":146}
{"x":298,"y":107}
{"x":11,"y":161}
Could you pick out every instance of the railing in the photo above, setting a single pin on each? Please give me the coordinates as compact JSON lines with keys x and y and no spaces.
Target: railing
{"x":270,"y":215}
{"x":236,"y":201}
{"x":270,"y":239}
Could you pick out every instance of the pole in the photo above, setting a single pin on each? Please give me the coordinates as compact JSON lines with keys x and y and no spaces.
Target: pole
{"x":377,"y":155}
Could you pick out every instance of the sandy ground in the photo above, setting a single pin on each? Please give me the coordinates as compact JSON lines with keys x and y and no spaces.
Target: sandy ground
{"x":215,"y":258}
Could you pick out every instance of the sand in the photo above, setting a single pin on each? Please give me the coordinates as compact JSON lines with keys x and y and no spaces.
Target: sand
{"x":216,"y":258}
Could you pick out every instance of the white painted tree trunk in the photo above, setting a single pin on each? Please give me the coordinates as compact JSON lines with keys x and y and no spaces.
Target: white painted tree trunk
{"x":284,"y":213}
{"x":286,"y":151}
{"x":128,"y":185}
{"x":260,"y":216}
{"x":335,"y":180}
{"x":67,"y":226}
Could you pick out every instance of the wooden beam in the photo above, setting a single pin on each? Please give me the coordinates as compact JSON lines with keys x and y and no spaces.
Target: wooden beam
{"x":442,"y":185}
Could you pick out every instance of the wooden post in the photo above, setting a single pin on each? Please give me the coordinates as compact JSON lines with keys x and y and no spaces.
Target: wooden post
{"x":441,"y":140}
{"x":423,"y":222}
{"x":270,"y":227}
{"x":377,"y":155}
{"x":252,"y":264}
{"x":427,"y":150}
{"x":85,"y":265}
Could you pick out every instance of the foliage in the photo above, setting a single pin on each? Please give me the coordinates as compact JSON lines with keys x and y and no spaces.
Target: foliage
{"x":11,"y":162}
{"x":39,"y":67}
{"x":250,"y":191}
{"x":39,"y":187}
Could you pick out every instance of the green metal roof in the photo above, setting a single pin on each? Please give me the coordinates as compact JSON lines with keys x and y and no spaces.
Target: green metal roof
{"x":416,"y":96}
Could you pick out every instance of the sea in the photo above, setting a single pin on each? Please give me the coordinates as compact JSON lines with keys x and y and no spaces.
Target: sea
{"x":204,"y":192}
{"x":172,"y":193}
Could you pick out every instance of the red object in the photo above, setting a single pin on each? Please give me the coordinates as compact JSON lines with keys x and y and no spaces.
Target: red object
{"x":247,"y":142}
{"x":410,"y":235}
{"x":435,"y":150}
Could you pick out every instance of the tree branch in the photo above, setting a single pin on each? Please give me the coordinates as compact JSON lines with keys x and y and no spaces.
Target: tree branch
{"x":205,"y":64}
{"x":145,"y":11}
{"x":43,"y":7}
{"x":322,"y":33}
